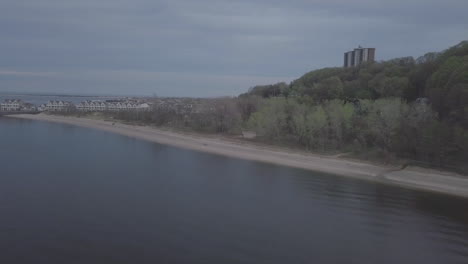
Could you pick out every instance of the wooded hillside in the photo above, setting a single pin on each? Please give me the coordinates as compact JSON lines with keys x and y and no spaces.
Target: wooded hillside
{"x":409,"y":108}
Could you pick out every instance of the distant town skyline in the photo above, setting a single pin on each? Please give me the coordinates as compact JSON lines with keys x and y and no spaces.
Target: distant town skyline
{"x":206,"y":47}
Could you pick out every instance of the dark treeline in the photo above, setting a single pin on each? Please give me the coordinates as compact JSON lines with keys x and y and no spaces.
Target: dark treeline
{"x":405,"y":108}
{"x":218,"y":115}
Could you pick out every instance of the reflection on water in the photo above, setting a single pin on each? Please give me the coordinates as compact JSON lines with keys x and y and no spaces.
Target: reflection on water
{"x":75,"y":195}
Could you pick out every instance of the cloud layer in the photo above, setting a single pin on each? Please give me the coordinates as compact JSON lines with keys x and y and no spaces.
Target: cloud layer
{"x":205,"y":47}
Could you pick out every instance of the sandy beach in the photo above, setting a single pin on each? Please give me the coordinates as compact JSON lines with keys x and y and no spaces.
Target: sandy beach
{"x":410,"y":177}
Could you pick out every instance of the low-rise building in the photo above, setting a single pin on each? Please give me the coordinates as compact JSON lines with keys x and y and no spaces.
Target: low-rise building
{"x":90,"y":106}
{"x":111,"y":105}
{"x":16,"y":105}
{"x":54,"y":106}
{"x":28,"y":107}
{"x":126,"y":106}
{"x":11,"y":105}
{"x":143,"y":106}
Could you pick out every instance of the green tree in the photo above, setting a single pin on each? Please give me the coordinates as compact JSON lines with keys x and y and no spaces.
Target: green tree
{"x":447,"y":87}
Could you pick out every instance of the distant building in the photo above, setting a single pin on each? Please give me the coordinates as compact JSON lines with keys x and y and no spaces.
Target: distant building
{"x":15,"y":105}
{"x":91,"y":106}
{"x":358,"y":56}
{"x":11,"y":105}
{"x":111,"y":105}
{"x":54,"y":106}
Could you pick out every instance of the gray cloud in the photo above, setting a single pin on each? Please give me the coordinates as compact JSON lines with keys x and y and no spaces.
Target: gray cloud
{"x":205,"y":47}
{"x":133,"y":82}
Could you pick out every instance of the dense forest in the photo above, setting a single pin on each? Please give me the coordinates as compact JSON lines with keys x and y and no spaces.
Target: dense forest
{"x":409,"y":108}
{"x":406,"y":109}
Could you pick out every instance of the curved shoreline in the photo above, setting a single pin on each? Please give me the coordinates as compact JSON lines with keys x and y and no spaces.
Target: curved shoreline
{"x":410,"y":177}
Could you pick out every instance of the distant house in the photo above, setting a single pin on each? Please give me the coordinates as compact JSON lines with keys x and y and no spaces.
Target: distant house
{"x":81,"y":106}
{"x":91,"y":106}
{"x":99,"y":106}
{"x":28,"y":107}
{"x":54,"y":106}
{"x":11,"y":105}
{"x":116,"y":106}
{"x":41,"y":107}
{"x":16,"y":105}
{"x":143,"y":106}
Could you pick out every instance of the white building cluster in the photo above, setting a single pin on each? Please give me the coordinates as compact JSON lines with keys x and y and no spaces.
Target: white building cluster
{"x":11,"y":105}
{"x":57,"y":106}
{"x":92,"y":106}
{"x":16,"y":105}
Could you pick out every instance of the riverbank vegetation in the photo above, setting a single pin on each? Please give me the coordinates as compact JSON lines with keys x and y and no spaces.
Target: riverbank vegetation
{"x":405,"y":108}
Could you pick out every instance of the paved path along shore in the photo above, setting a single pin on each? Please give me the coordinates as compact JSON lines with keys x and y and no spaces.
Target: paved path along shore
{"x":411,"y":177}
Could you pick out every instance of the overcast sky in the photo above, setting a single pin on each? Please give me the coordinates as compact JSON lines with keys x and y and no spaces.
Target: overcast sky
{"x":205,"y":47}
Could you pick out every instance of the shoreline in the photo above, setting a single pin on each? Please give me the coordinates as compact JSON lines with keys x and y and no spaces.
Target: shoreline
{"x":410,"y":177}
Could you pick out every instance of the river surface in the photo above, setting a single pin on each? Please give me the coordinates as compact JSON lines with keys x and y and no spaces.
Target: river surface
{"x":76,"y":195}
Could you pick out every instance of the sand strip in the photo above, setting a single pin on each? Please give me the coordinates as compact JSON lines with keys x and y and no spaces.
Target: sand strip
{"x":411,"y":177}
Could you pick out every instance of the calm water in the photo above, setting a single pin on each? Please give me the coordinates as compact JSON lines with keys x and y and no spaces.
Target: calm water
{"x":74,"y":195}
